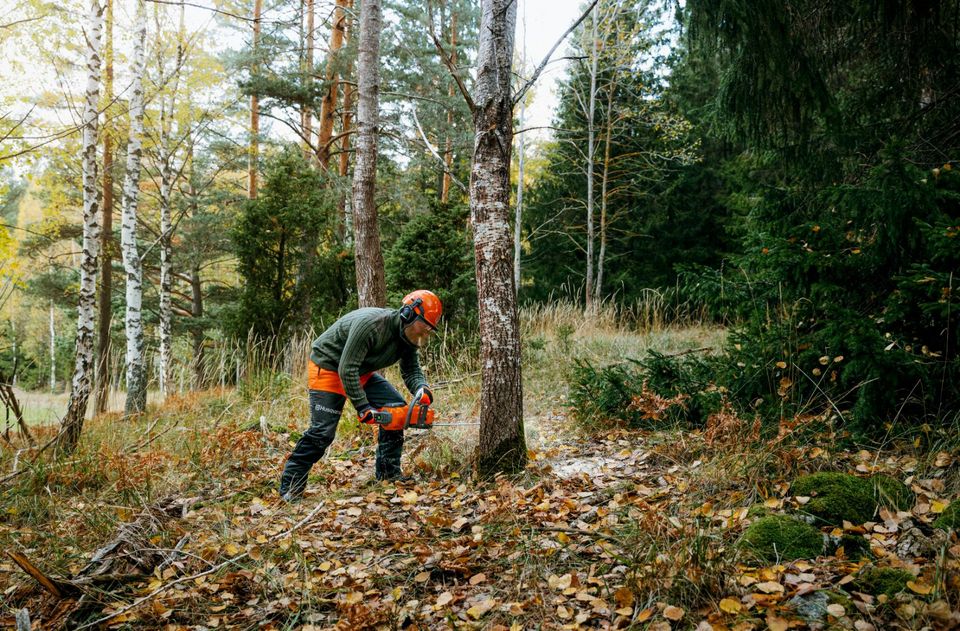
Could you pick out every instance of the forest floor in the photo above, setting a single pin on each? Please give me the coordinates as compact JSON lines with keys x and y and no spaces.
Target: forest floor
{"x":609,"y":528}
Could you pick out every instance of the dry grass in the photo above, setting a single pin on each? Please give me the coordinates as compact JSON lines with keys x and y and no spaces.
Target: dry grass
{"x":204,"y":441}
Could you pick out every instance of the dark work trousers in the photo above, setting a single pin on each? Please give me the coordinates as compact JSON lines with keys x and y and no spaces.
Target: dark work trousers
{"x":325,"y":412}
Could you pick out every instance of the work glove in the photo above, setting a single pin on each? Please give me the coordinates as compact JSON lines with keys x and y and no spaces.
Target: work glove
{"x":426,"y":396}
{"x":365,"y":414}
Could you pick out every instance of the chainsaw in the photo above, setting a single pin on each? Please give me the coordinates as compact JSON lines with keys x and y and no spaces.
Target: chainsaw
{"x":416,"y":415}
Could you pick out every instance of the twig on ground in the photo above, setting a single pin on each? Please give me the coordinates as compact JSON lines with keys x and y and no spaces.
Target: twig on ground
{"x":212,"y":570}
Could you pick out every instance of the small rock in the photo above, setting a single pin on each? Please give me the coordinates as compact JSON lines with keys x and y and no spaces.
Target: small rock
{"x":913,"y":543}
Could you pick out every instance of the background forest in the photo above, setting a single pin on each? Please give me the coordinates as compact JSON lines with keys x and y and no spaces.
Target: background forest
{"x":773,"y":189}
{"x":794,"y":183}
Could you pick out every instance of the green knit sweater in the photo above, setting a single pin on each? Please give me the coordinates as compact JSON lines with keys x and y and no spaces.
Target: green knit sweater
{"x":363,"y":341}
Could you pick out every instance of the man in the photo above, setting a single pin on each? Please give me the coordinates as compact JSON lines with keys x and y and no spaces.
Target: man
{"x":343,"y":363}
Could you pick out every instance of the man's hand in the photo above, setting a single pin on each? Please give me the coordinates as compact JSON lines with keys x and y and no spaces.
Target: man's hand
{"x":426,"y":397}
{"x":366,"y":415}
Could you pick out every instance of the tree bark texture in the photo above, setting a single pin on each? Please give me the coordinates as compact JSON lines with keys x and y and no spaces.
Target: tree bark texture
{"x":346,"y":123}
{"x":167,"y":180}
{"x":329,"y":104}
{"x":253,"y":152}
{"x":371,"y":285}
{"x":106,"y":235}
{"x":307,"y":112}
{"x":72,"y":425}
{"x":604,"y":179}
{"x":591,"y":108}
{"x":518,"y":215}
{"x":136,"y":366}
{"x":448,"y":147}
{"x":502,"y":446}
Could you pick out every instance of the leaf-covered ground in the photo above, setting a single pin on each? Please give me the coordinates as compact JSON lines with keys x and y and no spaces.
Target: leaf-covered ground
{"x":623,"y":529}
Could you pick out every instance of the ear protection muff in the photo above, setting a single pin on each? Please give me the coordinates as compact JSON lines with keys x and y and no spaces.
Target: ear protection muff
{"x":408,"y":313}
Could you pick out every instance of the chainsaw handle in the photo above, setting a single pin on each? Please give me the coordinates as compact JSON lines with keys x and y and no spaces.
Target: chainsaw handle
{"x":418,"y":411}
{"x":376,"y":417}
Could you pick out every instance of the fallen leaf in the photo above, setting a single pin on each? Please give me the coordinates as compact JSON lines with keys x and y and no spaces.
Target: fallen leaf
{"x":624,"y":597}
{"x":422,"y":577}
{"x":481,"y":608}
{"x":444,"y":599}
{"x":559,"y":583}
{"x":729,"y":605}
{"x":776,"y":623}
{"x":919,"y":587}
{"x":476,"y":579}
{"x":354,"y":511}
{"x":673,"y":613}
{"x":836,"y":610}
{"x":938,"y":506}
{"x":770,"y":587}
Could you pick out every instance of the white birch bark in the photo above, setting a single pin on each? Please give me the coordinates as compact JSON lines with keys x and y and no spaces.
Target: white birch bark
{"x":136,"y":372}
{"x":53,"y":352}
{"x":166,"y":226}
{"x":72,"y":424}
{"x":591,"y":108}
{"x":502,"y":446}
{"x":166,"y":269}
{"x":604,"y":179}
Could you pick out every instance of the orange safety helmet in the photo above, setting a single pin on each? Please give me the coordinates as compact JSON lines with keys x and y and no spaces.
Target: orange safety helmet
{"x":421,"y":304}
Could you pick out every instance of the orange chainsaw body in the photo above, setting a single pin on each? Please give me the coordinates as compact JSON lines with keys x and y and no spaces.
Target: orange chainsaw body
{"x":417,"y":415}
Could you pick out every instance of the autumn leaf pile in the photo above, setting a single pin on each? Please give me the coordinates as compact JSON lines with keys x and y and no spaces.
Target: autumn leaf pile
{"x":621,"y":529}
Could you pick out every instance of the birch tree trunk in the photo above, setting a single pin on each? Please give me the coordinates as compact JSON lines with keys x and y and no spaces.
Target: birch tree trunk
{"x":196,"y":290}
{"x":502,"y":445}
{"x":591,"y":108}
{"x":166,"y":269}
{"x":136,"y":369}
{"x":106,"y":235}
{"x":448,"y":148}
{"x":167,"y":178}
{"x":53,"y":352}
{"x":604,"y":179}
{"x":371,"y":285}
{"x":253,"y":152}
{"x":72,"y":424}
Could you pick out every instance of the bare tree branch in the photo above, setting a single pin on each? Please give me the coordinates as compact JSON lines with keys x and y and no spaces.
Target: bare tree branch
{"x":543,"y":64}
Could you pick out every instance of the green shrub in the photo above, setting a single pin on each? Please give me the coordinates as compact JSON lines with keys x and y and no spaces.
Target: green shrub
{"x":616,"y":392}
{"x":603,"y":394}
{"x":835,"y":497}
{"x":781,"y":538}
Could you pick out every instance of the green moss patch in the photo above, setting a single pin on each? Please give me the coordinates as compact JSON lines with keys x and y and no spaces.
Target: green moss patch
{"x":781,"y":538}
{"x":949,"y":518}
{"x":835,"y":497}
{"x":882,"y":580}
{"x":758,"y":510}
{"x":892,"y":492}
